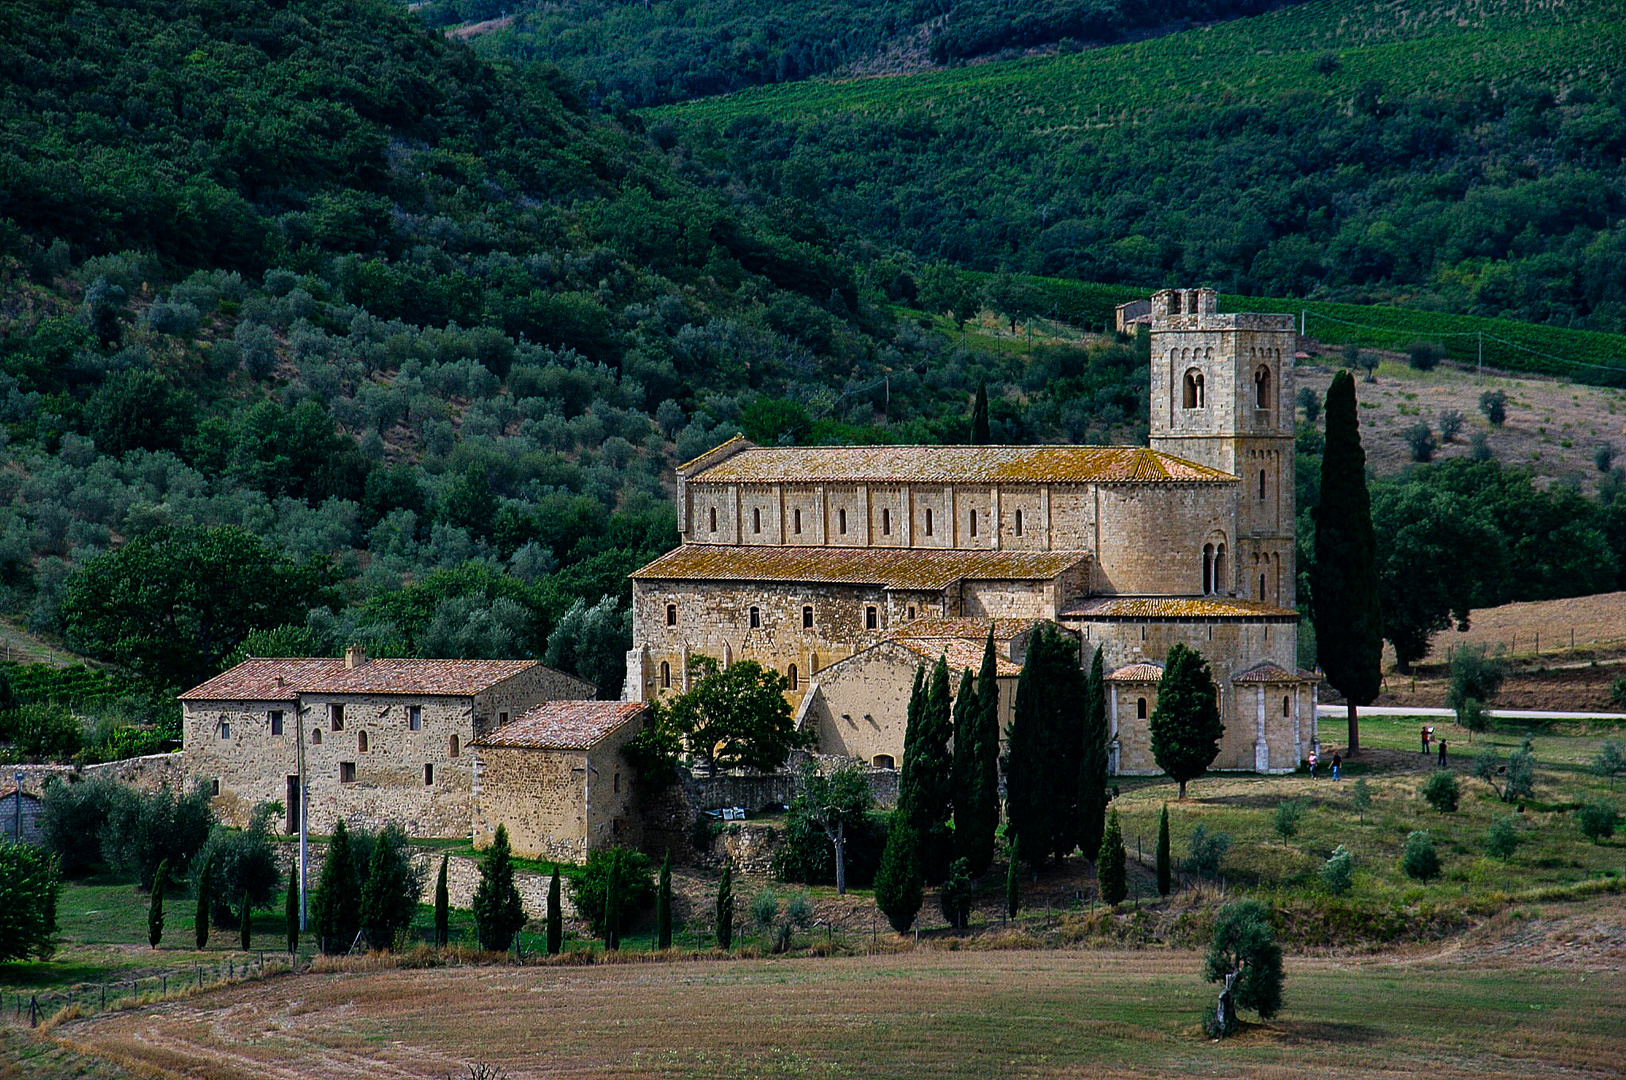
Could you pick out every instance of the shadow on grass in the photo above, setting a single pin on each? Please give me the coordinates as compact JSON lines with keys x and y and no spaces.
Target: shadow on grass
{"x":48,"y":973}
{"x":1330,"y":1031}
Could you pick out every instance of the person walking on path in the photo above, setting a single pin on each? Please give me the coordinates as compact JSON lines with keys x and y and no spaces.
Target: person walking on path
{"x":1337,"y":763}
{"x":1442,"y":753}
{"x":1314,"y":761}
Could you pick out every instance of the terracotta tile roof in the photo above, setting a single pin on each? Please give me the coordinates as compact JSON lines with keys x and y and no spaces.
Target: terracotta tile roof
{"x":972,"y":629}
{"x":961,"y":653}
{"x":1142,"y":672}
{"x":1267,"y":672}
{"x":563,"y":725}
{"x":892,"y":568}
{"x":9,"y":793}
{"x":1174,"y":607}
{"x":283,"y":679}
{"x":956,"y":464}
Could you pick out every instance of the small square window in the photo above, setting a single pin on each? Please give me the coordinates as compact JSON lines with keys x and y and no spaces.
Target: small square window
{"x":335,"y":715}
{"x":756,"y":618}
{"x":225,"y":729}
{"x":502,"y":718}
{"x":276,"y":721}
{"x":214,"y":786}
{"x":414,"y":717}
{"x":871,"y":618}
{"x":428,"y":775}
{"x":347,"y":772}
{"x":671,"y":614}
{"x":807,"y":616}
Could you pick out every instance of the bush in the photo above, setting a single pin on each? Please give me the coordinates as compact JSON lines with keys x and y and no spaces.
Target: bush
{"x":145,"y":828}
{"x":634,"y":887}
{"x":765,"y":908}
{"x":1617,"y":692}
{"x":1503,"y":838}
{"x":242,"y":861}
{"x":1207,"y":849}
{"x":1338,"y":872}
{"x":1473,"y":675}
{"x":1310,"y":402}
{"x":1420,"y":439}
{"x":29,"y":886}
{"x":1289,"y":812}
{"x":1493,"y":403}
{"x":807,"y":853}
{"x":1450,"y":422}
{"x":1442,"y":792}
{"x":1603,"y":457}
{"x":1521,"y":774}
{"x":42,"y":732}
{"x":1424,"y":355}
{"x":1474,"y":716}
{"x":955,"y":896}
{"x":72,"y":817}
{"x":1598,"y":820}
{"x":1611,"y":759}
{"x":1419,"y":859}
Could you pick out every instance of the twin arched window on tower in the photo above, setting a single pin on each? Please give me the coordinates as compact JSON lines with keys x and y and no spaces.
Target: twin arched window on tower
{"x":1213,"y":568}
{"x":1192,"y":394}
{"x":1261,"y":387}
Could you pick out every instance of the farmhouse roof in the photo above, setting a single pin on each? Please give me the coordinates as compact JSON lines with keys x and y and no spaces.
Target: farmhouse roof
{"x":1273,"y":673}
{"x":1140,"y":672}
{"x":960,"y":653}
{"x":892,"y":568}
{"x":563,"y":725}
{"x":1004,"y":629}
{"x":1174,"y":607}
{"x":748,"y":463}
{"x":283,"y":679}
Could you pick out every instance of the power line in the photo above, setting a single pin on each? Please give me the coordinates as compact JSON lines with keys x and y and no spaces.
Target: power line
{"x":1480,"y":334}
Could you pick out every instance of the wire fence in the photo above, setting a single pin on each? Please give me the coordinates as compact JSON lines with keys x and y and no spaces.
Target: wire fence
{"x":34,"y":1007}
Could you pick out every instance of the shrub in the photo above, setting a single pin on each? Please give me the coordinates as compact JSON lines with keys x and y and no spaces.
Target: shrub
{"x":72,"y":817}
{"x":807,"y":853}
{"x":1289,"y":813}
{"x":242,"y":862}
{"x":634,"y":887}
{"x":1419,"y":859}
{"x":1360,"y":797}
{"x":1603,"y":457}
{"x":1474,"y":716}
{"x":1338,"y":872}
{"x":393,"y":882}
{"x":42,"y":732}
{"x":1424,"y":355}
{"x":1109,"y":865}
{"x":1473,"y":675}
{"x":1521,"y":774}
{"x":1617,"y":691}
{"x":725,"y":908}
{"x":1598,"y":820}
{"x":1493,"y":403}
{"x":1479,"y":447}
{"x":146,"y":828}
{"x":1310,"y":402}
{"x":1207,"y":849}
{"x":765,"y":908}
{"x":1611,"y":759}
{"x":955,"y":896}
{"x":1420,"y":440}
{"x":1503,"y":838}
{"x":1450,"y":422}
{"x":29,"y":887}
{"x":1441,"y":792}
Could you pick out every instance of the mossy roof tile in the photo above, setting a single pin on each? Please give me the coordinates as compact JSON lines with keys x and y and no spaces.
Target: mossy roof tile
{"x":891,"y":568}
{"x":957,"y":465}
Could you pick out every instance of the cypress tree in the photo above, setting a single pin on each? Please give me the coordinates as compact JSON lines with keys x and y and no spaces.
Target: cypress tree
{"x":498,"y":913}
{"x":1045,"y":745}
{"x":1092,"y":765}
{"x":980,"y":433}
{"x":925,"y":785}
{"x":245,"y":923}
{"x":663,"y":905}
{"x":1165,"y":883}
{"x":1344,"y":577}
{"x":155,"y":911}
{"x":725,"y":905}
{"x":1185,"y":726}
{"x":899,"y":890}
{"x":200,"y":923}
{"x":443,"y":907}
{"x":1109,"y":865}
{"x":556,"y":927}
{"x":1013,"y":883}
{"x":976,"y":766}
{"x":612,"y":906}
{"x":338,"y":896}
{"x":290,"y":911}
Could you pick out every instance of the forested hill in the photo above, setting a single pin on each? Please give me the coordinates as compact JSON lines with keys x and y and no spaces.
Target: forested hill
{"x":314,"y":324}
{"x":1466,"y":157}
{"x":669,"y":50}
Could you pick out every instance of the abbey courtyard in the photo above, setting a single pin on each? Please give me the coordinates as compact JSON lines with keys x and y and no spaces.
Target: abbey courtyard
{"x":845,"y":569}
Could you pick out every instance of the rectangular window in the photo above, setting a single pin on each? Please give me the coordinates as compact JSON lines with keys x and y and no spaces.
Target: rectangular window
{"x":886,"y":522}
{"x":928,"y":522}
{"x":756,"y":520}
{"x":911,"y":613}
{"x":225,"y":729}
{"x":428,"y":775}
{"x":335,"y":716}
{"x":807,"y":616}
{"x":1019,"y":523}
{"x":414,"y":717}
{"x":841,"y":521}
{"x":756,"y":618}
{"x":798,"y":520}
{"x":871,"y":618}
{"x":347,"y":772}
{"x":973,"y":523}
{"x":671,"y":614}
{"x":214,"y":787}
{"x":276,"y":721}
{"x":502,"y":718}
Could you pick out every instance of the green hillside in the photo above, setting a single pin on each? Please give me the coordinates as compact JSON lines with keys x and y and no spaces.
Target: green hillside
{"x":1463,"y":158}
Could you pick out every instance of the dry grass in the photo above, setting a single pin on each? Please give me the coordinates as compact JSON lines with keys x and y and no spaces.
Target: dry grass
{"x":920,"y":1013}
{"x":1514,"y":628}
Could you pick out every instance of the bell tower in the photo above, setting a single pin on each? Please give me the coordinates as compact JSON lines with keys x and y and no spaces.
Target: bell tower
{"x":1222,"y":396}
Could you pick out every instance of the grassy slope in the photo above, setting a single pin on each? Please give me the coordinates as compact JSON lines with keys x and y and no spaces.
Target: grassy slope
{"x":924,"y":1014}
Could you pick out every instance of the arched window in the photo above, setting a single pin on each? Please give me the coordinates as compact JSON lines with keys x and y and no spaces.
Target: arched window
{"x":316,"y":736}
{"x":361,"y":742}
{"x":973,"y":523}
{"x":1208,"y":569}
{"x":1219,"y":568}
{"x":1261,"y":586}
{"x":452,"y":746}
{"x":671,"y":614}
{"x":798,"y":525}
{"x":666,"y":675}
{"x":756,"y":519}
{"x":841,"y":521}
{"x":713,"y":519}
{"x":1287,"y":705}
{"x":928,"y":521}
{"x":883,"y":761}
{"x":790,"y":678}
{"x":1140,"y":708}
{"x":1019,"y":523}
{"x":1261,"y":485}
{"x":756,"y":617}
{"x":1261,"y":387}
{"x":1193,"y":395}
{"x":886,"y":522}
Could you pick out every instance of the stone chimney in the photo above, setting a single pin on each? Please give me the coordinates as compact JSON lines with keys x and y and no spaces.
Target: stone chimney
{"x":354,"y":656}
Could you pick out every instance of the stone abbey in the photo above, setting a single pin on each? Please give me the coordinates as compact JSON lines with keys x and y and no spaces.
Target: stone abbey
{"x":846,"y":567}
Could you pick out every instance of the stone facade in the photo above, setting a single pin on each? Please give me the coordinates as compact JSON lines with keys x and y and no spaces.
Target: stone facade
{"x":396,"y":751}
{"x":816,"y":561}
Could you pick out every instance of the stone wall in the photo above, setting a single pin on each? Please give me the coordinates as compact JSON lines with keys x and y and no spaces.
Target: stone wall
{"x":148,"y":773}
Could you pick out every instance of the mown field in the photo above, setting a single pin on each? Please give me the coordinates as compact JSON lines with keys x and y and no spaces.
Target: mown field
{"x":923,"y":1013}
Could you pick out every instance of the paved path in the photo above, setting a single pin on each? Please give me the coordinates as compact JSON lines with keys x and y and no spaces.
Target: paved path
{"x":1500,"y":714}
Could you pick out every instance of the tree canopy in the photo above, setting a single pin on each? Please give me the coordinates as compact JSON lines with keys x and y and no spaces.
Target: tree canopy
{"x":1185,"y":726}
{"x":735,"y":717}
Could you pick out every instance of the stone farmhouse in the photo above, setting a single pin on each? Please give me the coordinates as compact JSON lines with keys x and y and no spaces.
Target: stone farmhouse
{"x":846,"y":567}
{"x":383,"y":739}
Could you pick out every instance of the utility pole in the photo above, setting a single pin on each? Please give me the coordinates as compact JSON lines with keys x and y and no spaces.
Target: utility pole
{"x":304,"y":830}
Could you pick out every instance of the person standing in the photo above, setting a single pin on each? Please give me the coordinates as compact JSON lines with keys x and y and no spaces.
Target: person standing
{"x":1337,"y":763}
{"x":1314,"y":761}
{"x":1442,"y":753}
{"x":1425,"y":738}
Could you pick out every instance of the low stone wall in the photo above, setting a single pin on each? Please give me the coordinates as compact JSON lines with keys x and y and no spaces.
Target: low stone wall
{"x":148,"y":773}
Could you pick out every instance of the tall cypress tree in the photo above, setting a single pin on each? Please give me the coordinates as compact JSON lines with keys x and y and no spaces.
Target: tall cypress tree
{"x":612,"y":907}
{"x":290,"y":911}
{"x":245,"y":923}
{"x":899,"y":890}
{"x":1013,"y":882}
{"x":976,"y":769}
{"x":980,"y":433}
{"x":155,"y":911}
{"x":556,"y":928}
{"x":1165,"y":882}
{"x":1185,"y":726}
{"x":498,"y":912}
{"x":1024,"y":758}
{"x":1092,"y":764}
{"x":1344,"y":577}
{"x":725,"y":907}
{"x":1109,"y":864}
{"x":663,"y":905}
{"x":929,"y":772}
{"x":200,"y":923}
{"x":1045,"y":745}
{"x":443,"y":907}
{"x":338,"y":895}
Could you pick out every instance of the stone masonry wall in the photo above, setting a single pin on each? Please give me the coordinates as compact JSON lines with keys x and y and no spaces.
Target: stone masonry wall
{"x":148,"y":773}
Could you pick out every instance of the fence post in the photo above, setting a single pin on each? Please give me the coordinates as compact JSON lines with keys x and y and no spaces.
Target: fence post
{"x":33,"y":1010}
